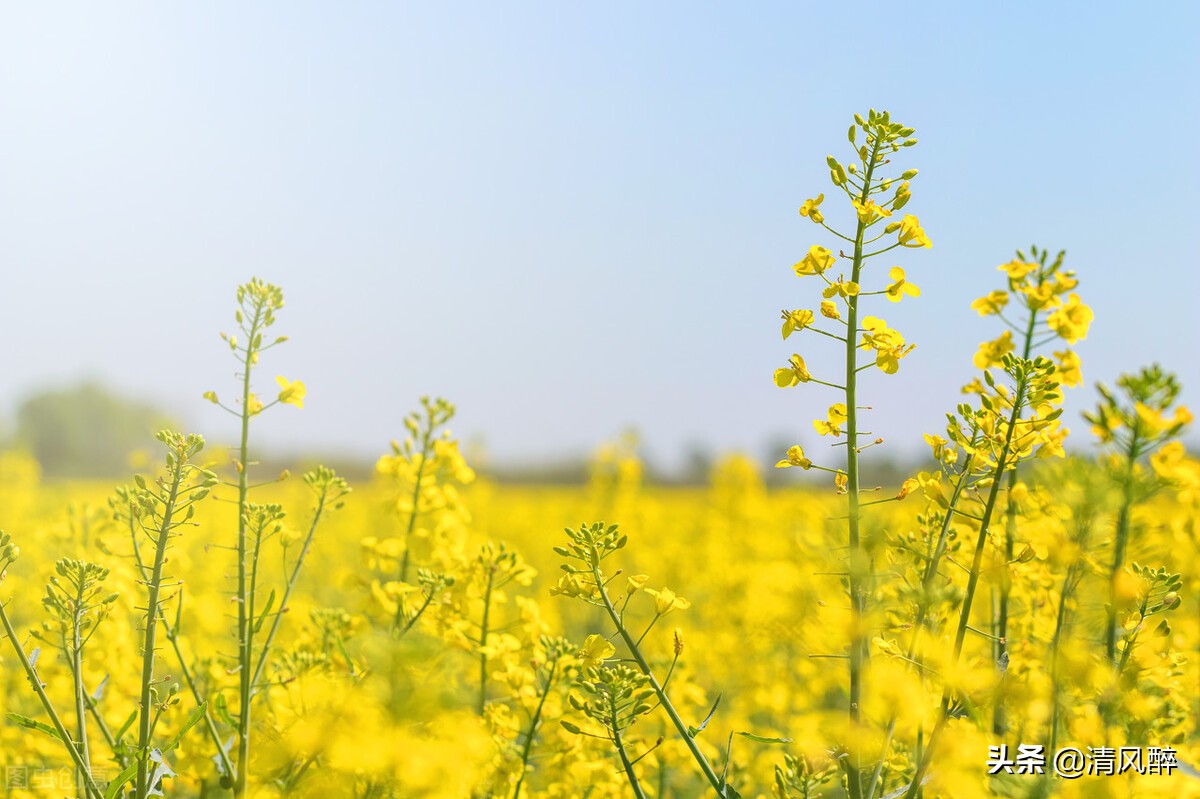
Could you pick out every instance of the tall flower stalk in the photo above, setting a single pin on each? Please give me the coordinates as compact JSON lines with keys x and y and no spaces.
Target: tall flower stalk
{"x":1012,"y":422}
{"x":1132,"y":424}
{"x":1041,"y":292}
{"x":77,"y":601}
{"x":258,"y":302}
{"x":865,"y":186}
{"x":163,"y":507}
{"x":9,"y":552}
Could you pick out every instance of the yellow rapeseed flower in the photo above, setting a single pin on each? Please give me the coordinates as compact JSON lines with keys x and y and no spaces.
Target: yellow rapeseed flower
{"x":794,"y":321}
{"x":1071,"y":321}
{"x":811,"y":209}
{"x":291,"y":392}
{"x":795,"y":457}
{"x":832,"y":426}
{"x":993,"y":303}
{"x":843,"y":288}
{"x":789,"y":376}
{"x":900,"y":286}
{"x":665,"y":601}
{"x":868,"y":212}
{"x":1068,"y":373}
{"x":595,"y":650}
{"x":990,"y":352}
{"x":1017,"y":269}
{"x":888,"y":344}
{"x":911,"y":234}
{"x":815,"y":262}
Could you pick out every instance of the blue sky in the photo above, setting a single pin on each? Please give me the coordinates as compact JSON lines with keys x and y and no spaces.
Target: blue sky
{"x":569,"y":219}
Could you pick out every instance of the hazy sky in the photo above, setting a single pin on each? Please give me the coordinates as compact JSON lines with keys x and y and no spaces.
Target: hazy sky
{"x":570,"y":218}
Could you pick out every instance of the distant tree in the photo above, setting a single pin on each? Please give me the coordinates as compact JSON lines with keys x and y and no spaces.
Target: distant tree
{"x":85,"y":431}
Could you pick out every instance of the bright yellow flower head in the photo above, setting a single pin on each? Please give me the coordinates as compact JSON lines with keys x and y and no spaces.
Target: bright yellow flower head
{"x":794,"y":321}
{"x":1017,"y":269}
{"x":830,"y":310}
{"x":900,"y":286}
{"x":665,"y":601}
{"x":888,"y":344}
{"x":842,"y":288}
{"x":595,"y":650}
{"x":990,"y":352}
{"x":993,"y":303}
{"x":1171,"y":462}
{"x":1069,"y":373}
{"x":1040,"y":296}
{"x":931,"y":487}
{"x":940,"y":450}
{"x":810,"y":209}
{"x":868,"y":212}
{"x":832,"y":426}
{"x":291,"y":392}
{"x":1064,"y":281}
{"x":911,"y":234}
{"x":789,"y":376}
{"x":1071,"y":321}
{"x":1183,"y":416}
{"x":1150,"y":420}
{"x":795,"y":457}
{"x":815,"y":262}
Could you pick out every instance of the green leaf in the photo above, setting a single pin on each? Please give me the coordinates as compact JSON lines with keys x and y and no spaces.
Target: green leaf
{"x":694,"y":731}
{"x":34,"y":724}
{"x":114,"y":788}
{"x":263,"y":616}
{"x":762,"y":739}
{"x":192,"y":721}
{"x":222,"y":710}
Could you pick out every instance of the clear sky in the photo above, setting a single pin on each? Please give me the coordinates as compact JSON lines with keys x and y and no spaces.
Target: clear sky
{"x":570,"y":218}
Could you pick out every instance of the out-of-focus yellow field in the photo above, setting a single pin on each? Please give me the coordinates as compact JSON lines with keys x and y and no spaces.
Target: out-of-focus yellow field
{"x":355,"y":708}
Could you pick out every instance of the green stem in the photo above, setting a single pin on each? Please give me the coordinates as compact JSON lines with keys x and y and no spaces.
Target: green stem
{"x":931,"y":571}
{"x":244,"y":622}
{"x":972,"y":580}
{"x":85,"y":776}
{"x":59,"y":727}
{"x":172,"y":636}
{"x":105,"y":732}
{"x":426,"y":437}
{"x":627,"y":765}
{"x":287,"y":592}
{"x":709,"y":773}
{"x":1060,"y":622}
{"x":1119,"y":546}
{"x":483,"y":638}
{"x":1127,"y":650}
{"x":153,"y":611}
{"x":532,"y":731}
{"x":408,"y":625}
{"x":999,"y":722}
{"x":859,"y":565}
